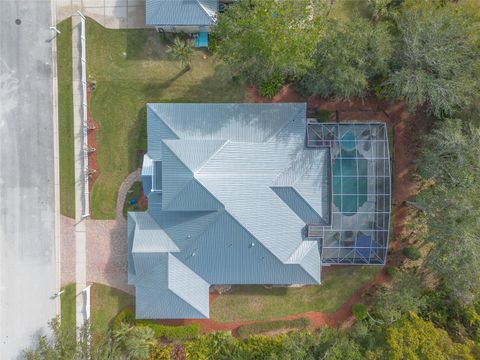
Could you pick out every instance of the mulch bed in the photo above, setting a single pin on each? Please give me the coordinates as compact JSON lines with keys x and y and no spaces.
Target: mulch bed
{"x":92,"y":143}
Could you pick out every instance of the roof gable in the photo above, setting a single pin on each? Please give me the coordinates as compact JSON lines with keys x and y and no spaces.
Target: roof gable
{"x":181,"y":12}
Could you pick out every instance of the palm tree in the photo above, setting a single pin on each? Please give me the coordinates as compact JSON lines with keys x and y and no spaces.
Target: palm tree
{"x":181,"y":50}
{"x":139,"y":342}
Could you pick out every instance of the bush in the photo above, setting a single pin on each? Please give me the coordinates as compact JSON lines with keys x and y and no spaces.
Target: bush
{"x":126,"y":316}
{"x":390,"y":271}
{"x":324,"y":115}
{"x":360,"y":311}
{"x":263,"y":327}
{"x":412,"y":253}
{"x":170,"y":333}
{"x":269,"y":88}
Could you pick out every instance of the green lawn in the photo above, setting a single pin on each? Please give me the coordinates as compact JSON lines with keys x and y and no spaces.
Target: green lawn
{"x":131,"y":68}
{"x":107,"y":302}
{"x":65,"y":119}
{"x":259,"y":303}
{"x":67,"y":302}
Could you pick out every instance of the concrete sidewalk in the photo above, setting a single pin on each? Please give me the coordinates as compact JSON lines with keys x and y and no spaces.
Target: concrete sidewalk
{"x":113,"y":14}
{"x":80,"y":227}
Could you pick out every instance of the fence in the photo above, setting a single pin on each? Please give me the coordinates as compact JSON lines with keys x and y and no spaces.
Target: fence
{"x":83,"y":59}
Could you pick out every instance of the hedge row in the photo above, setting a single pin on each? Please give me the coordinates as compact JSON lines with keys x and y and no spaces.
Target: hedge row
{"x":262,"y":327}
{"x":184,"y":332}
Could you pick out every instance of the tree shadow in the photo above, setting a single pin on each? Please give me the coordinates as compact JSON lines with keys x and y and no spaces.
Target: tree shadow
{"x":137,"y":140}
{"x":259,"y":290}
{"x":147,"y":44}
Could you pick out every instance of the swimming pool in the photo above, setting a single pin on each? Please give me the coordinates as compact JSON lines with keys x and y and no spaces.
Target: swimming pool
{"x":349,"y":177}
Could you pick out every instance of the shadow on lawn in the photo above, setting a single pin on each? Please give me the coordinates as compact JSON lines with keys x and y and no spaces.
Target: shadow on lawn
{"x":257,"y":290}
{"x":137,"y":140}
{"x":156,"y":89}
{"x":146,"y":44}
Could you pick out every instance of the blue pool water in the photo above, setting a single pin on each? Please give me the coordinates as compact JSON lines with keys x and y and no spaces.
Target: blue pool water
{"x":349,"y":177}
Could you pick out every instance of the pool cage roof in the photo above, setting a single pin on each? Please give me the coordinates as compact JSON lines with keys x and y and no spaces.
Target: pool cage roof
{"x":360,"y":191}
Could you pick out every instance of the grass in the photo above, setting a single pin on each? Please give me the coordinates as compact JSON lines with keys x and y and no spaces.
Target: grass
{"x":65,"y":119}
{"x":67,"y":302}
{"x":134,"y":193}
{"x":276,"y":325}
{"x":130,"y":68}
{"x":107,"y":302}
{"x":258,"y":303}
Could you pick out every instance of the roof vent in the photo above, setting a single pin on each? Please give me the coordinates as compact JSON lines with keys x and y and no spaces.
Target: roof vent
{"x":252,"y":244}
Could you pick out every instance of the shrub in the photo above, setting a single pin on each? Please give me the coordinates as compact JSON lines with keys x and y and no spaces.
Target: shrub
{"x":412,"y":253}
{"x":390,"y":271}
{"x":269,"y":88}
{"x":324,"y":115}
{"x":360,"y":311}
{"x":126,"y":316}
{"x":171,"y":333}
{"x":263,"y":327}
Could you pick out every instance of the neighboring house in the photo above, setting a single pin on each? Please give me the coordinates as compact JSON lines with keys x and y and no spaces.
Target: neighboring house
{"x":252,"y":194}
{"x":181,"y":15}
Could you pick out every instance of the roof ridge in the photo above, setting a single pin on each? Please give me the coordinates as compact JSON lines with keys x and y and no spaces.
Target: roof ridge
{"x":188,"y":182}
{"x":206,"y":11}
{"x":300,"y":111}
{"x":162,"y":120}
{"x":292,"y":260}
{"x":172,"y":288}
{"x":167,"y":141}
{"x":211,"y":157}
{"x":300,"y":195}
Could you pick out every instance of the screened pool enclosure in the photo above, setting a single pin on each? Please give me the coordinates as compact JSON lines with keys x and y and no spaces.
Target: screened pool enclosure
{"x":360,"y":197}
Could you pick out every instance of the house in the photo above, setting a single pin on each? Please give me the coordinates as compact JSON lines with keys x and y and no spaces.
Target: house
{"x":188,"y":16}
{"x":252,"y":194}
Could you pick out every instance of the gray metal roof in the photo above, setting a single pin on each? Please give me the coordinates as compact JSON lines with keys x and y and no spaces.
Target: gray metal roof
{"x":181,"y":12}
{"x":219,"y":211}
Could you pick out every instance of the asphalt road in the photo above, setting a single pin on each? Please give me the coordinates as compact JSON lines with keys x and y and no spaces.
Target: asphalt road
{"x":27,"y":246}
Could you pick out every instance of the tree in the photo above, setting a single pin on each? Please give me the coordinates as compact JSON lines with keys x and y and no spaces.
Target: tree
{"x":338,"y":345}
{"x":435,"y":59}
{"x":62,"y":344}
{"x":137,"y":341}
{"x":181,"y":50}
{"x":347,"y":57}
{"x":404,"y":296}
{"x":451,"y":161}
{"x":414,"y":338}
{"x":268,"y":41}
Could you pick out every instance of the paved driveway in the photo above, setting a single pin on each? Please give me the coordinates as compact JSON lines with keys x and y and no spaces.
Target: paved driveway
{"x":27,"y":246}
{"x":113,"y":14}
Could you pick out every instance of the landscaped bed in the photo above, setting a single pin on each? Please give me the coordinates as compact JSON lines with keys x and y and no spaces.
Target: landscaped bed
{"x":131,"y":68}
{"x":256,"y":302}
{"x":135,"y":199}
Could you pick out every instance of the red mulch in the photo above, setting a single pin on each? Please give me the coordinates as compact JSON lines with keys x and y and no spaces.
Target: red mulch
{"x":318,"y":319}
{"x":92,"y":142}
{"x":142,"y":201}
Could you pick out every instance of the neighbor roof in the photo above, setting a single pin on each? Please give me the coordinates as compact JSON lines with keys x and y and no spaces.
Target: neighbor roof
{"x":238,"y":185}
{"x":181,"y":12}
